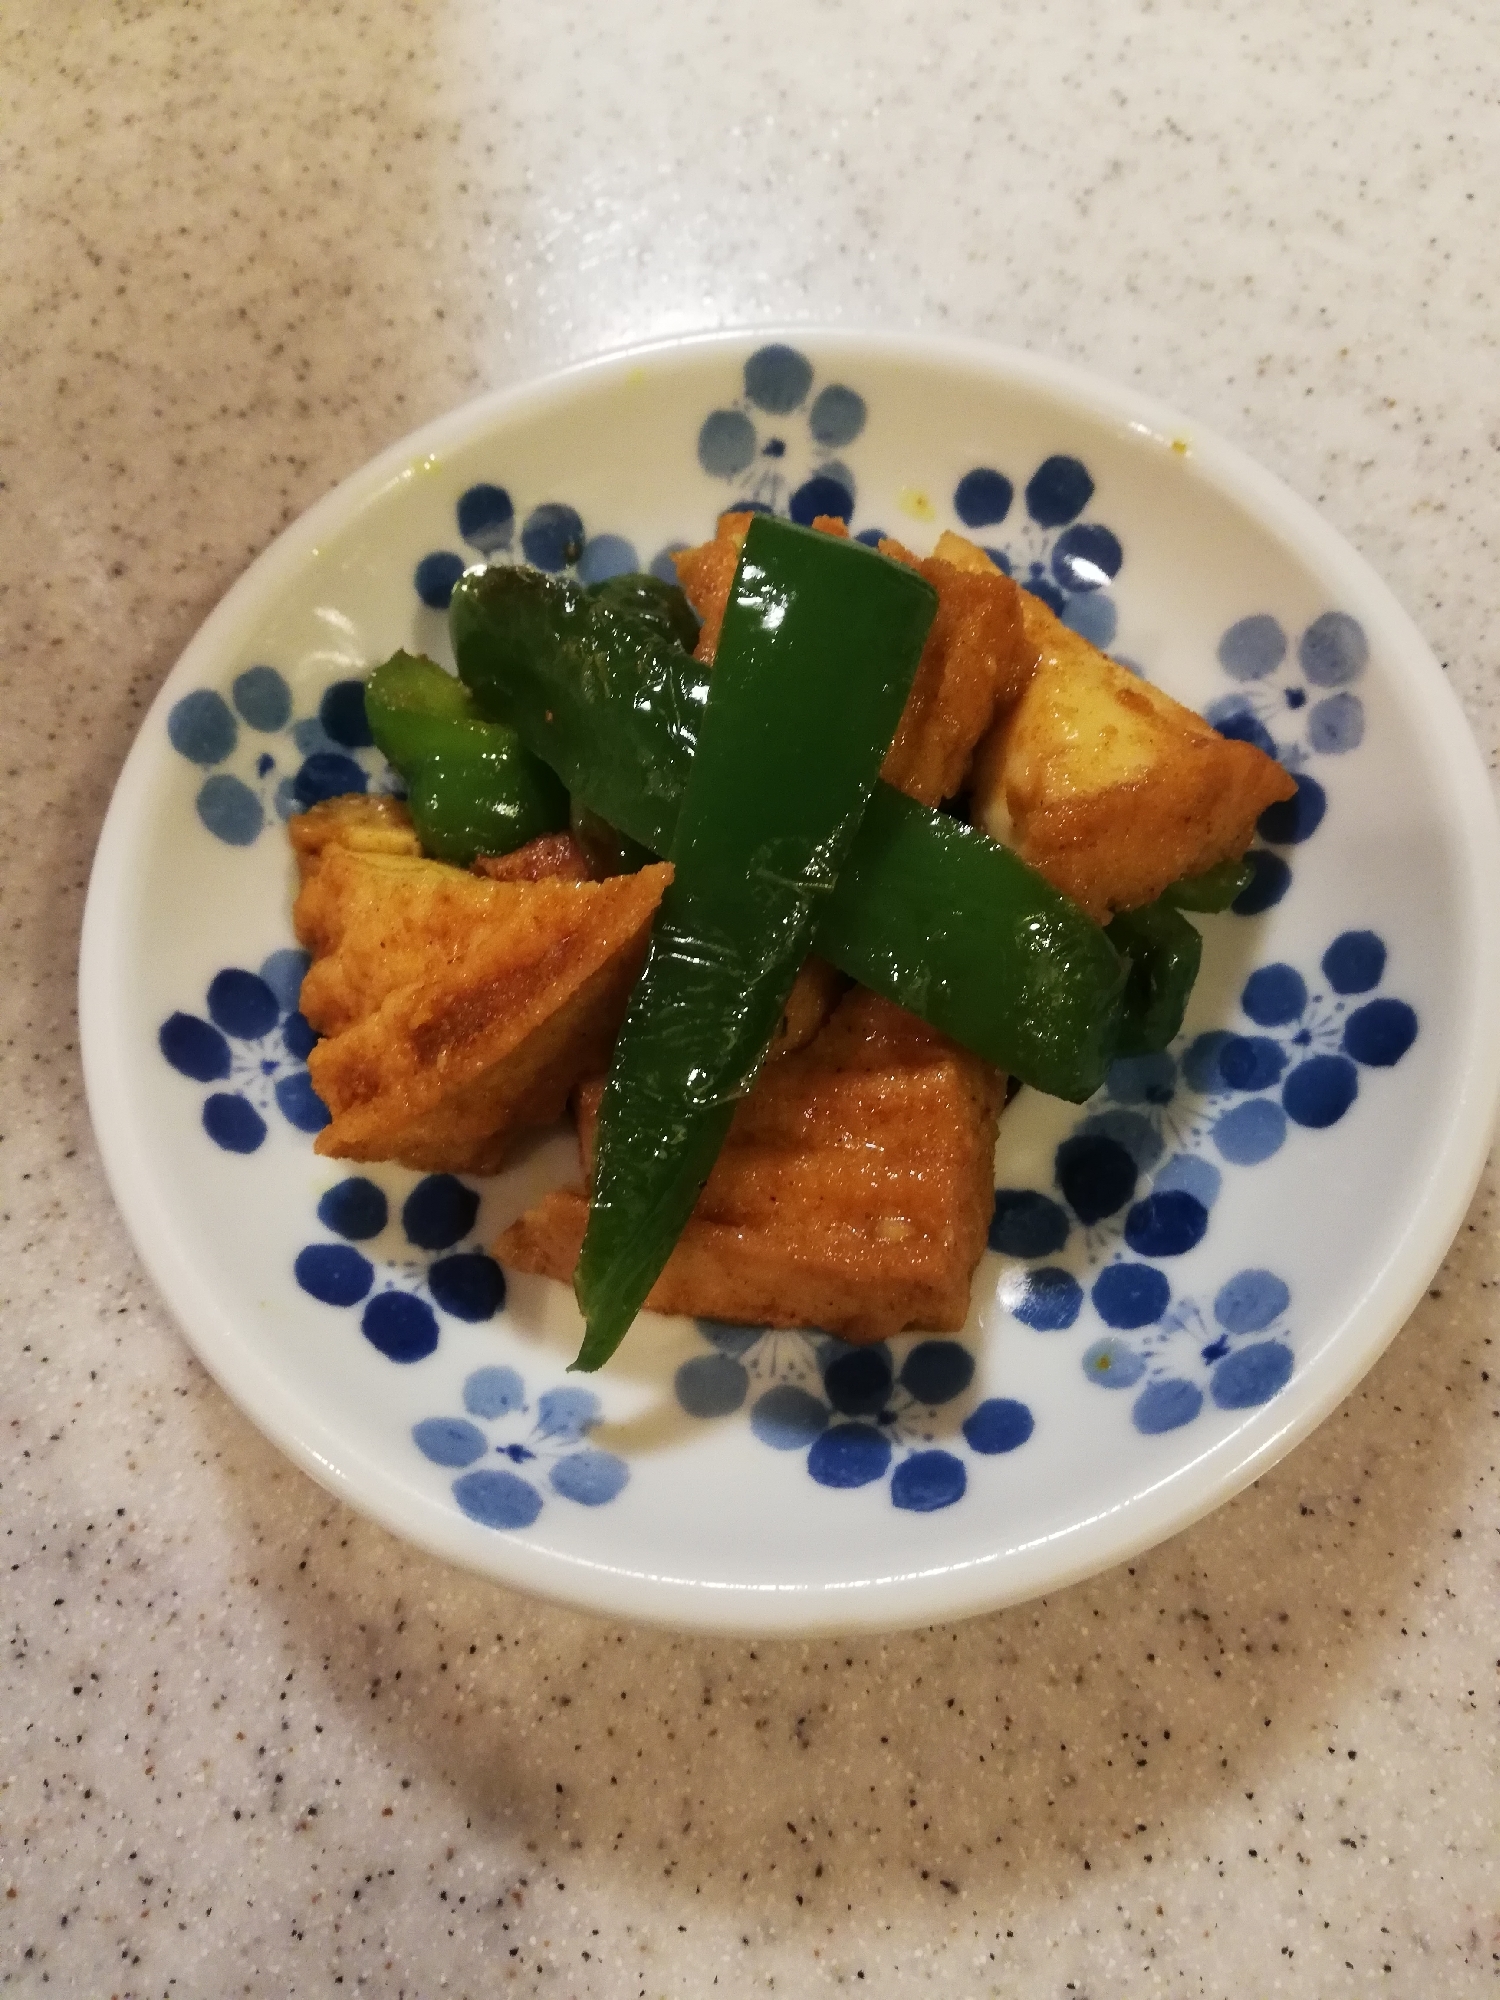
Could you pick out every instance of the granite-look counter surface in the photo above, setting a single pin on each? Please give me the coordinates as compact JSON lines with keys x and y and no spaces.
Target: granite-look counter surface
{"x":250,"y":1742}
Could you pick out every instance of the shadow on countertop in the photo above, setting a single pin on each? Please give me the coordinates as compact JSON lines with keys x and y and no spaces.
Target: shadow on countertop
{"x":961,"y":1769}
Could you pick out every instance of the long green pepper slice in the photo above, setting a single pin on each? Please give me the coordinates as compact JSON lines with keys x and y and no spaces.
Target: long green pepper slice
{"x":929,"y":913}
{"x":820,"y":642}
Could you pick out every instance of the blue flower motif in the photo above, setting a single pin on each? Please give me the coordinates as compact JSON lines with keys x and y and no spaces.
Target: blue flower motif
{"x":1146,"y":1162}
{"x":553,"y":537}
{"x":1128,"y":1169}
{"x":861,"y":1414}
{"x":427,"y":1271}
{"x":261,"y":762}
{"x":1176,"y":1358}
{"x":1295,"y":704}
{"x":254,"y":1044}
{"x":1312,"y":1042}
{"x":549,"y":1440}
{"x":1068,"y":562}
{"x":1136,"y":1180}
{"x":777,"y":445}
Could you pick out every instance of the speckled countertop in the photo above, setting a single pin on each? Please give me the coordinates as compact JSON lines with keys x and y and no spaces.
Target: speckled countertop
{"x":249,"y":1743}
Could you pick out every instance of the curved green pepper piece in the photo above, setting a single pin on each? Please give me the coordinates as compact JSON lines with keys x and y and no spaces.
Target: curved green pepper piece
{"x":956,"y":928}
{"x":486,"y":796}
{"x":472,"y":786}
{"x":409,"y":703}
{"x":1215,"y":889}
{"x":664,"y":603}
{"x":927,"y":912}
{"x":602,"y":696}
{"x":820,"y":642}
{"x":1164,"y":951}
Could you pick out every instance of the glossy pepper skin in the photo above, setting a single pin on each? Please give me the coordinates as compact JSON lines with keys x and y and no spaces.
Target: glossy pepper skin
{"x":1164,"y":951}
{"x":820,"y":643}
{"x":605,"y":697}
{"x":1215,"y":889}
{"x":943,"y":920}
{"x":931,"y":914}
{"x":472,"y":785}
{"x":664,"y":603}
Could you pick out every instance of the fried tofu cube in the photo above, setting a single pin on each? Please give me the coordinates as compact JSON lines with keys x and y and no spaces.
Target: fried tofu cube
{"x":550,"y":855}
{"x":1108,"y":786}
{"x":366,"y":823}
{"x":975,"y":662}
{"x":816,"y":991}
{"x":456,"y":1012}
{"x":706,"y":574}
{"x":853,"y":1193}
{"x":976,"y":658}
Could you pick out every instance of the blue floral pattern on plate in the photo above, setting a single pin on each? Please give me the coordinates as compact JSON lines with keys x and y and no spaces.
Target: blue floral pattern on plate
{"x":1137,"y":1177}
{"x":1295,"y":705}
{"x":264,"y":764}
{"x":860,"y":1414}
{"x":553,"y":538}
{"x":427,"y":1273}
{"x":255,"y":1044}
{"x":776,"y":449}
{"x":1238,"y":1354}
{"x":543,"y":1444}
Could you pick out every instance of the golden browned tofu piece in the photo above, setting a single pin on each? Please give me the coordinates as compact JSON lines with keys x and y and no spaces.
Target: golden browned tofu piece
{"x":1108,"y":786}
{"x":456,"y":1011}
{"x":550,"y":855}
{"x":815,"y":993}
{"x":853,"y":1194}
{"x":366,"y":824}
{"x":976,"y":657}
{"x":706,"y":574}
{"x":976,"y":661}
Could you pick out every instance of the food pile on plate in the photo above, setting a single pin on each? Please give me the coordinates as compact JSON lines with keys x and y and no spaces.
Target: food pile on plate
{"x":774,"y":893}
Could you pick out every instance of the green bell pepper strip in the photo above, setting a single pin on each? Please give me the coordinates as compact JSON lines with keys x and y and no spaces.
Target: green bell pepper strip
{"x":932,"y":914}
{"x":1164,"y":951}
{"x":959,"y":930}
{"x":409,"y":704}
{"x":486,"y":796}
{"x":820,"y":643}
{"x":651,"y":597}
{"x":1215,"y":889}
{"x":472,"y":785}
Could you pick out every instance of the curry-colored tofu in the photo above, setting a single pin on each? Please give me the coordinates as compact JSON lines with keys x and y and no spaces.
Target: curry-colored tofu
{"x":456,"y":1011}
{"x":975,"y":662}
{"x":364,"y":822}
{"x":1108,"y":786}
{"x":550,"y":855}
{"x":816,"y":991}
{"x":853,"y":1194}
{"x":976,"y":658}
{"x":706,"y":574}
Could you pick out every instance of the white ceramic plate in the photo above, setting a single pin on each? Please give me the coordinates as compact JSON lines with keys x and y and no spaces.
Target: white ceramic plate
{"x":1189,"y":1272}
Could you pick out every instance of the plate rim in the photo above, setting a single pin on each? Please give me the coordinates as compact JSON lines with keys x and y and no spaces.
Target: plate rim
{"x":936,"y":1592}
